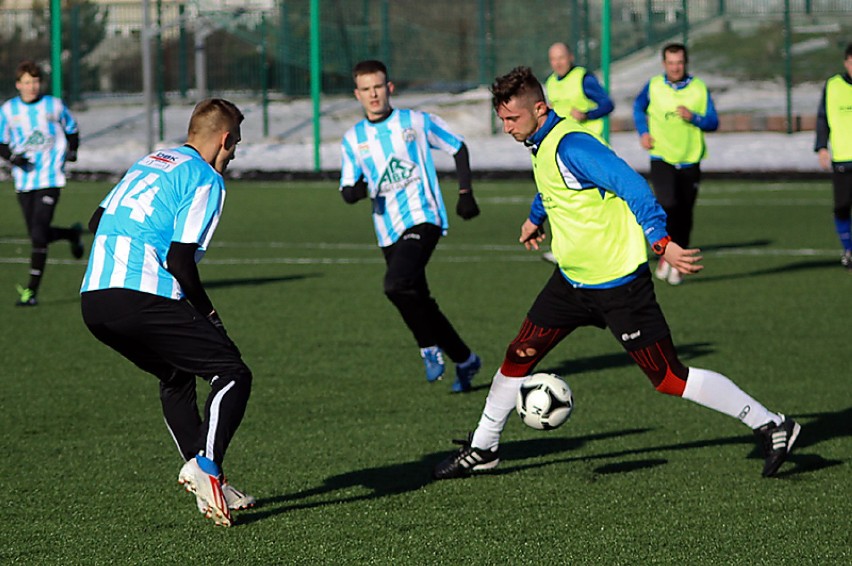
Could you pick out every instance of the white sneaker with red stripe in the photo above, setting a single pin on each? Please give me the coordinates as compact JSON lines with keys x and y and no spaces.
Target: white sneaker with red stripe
{"x":208,"y":489}
{"x":236,"y":499}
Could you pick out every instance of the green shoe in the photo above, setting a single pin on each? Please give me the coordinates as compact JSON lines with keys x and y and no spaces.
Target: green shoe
{"x":28,"y":297}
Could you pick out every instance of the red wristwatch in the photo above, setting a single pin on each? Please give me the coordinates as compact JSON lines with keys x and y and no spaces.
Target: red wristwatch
{"x":659,"y":246}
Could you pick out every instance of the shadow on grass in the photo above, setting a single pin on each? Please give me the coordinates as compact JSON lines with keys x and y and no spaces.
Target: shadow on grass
{"x":411,"y":476}
{"x":408,"y":476}
{"x":620,"y":359}
{"x":255,"y":281}
{"x":617,"y":359}
{"x":788,"y":268}
{"x":735,"y":245}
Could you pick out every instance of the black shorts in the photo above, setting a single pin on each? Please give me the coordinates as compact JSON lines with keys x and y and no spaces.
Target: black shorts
{"x":674,"y":186}
{"x":630,"y":311}
{"x":38,"y":207}
{"x":160,"y":335}
{"x":406,"y":258}
{"x":841,"y":180}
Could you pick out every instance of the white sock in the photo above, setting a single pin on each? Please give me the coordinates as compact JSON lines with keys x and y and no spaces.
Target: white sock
{"x":498,"y":406}
{"x":715,"y":391}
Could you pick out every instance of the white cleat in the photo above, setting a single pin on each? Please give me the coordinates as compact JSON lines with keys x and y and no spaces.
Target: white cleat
{"x":208,"y":492}
{"x":236,"y":499}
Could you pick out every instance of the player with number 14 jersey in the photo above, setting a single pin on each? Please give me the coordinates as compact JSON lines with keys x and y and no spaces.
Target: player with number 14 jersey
{"x":171,"y":195}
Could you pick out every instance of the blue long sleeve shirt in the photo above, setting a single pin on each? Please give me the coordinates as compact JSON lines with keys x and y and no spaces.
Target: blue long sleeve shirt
{"x":595,"y":92}
{"x":594,"y":164}
{"x":708,"y":123}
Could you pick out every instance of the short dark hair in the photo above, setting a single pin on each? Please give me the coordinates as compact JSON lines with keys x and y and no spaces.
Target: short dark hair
{"x":369,"y":67}
{"x":27,"y":67}
{"x":675,"y":48}
{"x":520,"y":81}
{"x":848,"y":51}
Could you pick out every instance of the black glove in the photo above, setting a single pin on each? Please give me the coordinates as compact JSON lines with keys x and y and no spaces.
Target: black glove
{"x":71,"y":155}
{"x":19,"y":160}
{"x":466,"y":207}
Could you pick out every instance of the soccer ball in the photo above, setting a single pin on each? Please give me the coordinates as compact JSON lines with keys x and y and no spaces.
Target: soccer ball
{"x":544,"y":401}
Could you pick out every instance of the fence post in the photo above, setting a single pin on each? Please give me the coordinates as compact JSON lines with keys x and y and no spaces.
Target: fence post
{"x":587,"y":57}
{"x":606,"y":25}
{"x":161,"y":86}
{"x":56,"y":47}
{"x":74,"y":86}
{"x":182,"y":50}
{"x":283,"y":48}
{"x":575,"y":27}
{"x":385,"y":18}
{"x":316,"y":78}
{"x":788,"y":65}
{"x":264,"y":89}
{"x":685,"y":22}
{"x":649,"y":28}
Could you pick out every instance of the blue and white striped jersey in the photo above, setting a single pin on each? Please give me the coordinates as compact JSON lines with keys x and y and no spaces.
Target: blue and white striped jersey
{"x":394,"y":157}
{"x":37,"y":130}
{"x":168,"y":196}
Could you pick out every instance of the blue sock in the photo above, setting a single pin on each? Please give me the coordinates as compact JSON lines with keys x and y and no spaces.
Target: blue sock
{"x":468,"y":361}
{"x":208,"y":466}
{"x":844,"y":232}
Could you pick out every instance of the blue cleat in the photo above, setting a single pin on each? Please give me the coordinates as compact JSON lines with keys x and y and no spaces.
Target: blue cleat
{"x":433,"y":359}
{"x":465,"y":373}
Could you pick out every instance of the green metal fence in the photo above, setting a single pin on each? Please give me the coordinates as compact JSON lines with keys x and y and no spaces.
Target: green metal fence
{"x":440,"y":44}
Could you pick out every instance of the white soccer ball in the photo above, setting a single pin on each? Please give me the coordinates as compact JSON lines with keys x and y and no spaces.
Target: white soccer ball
{"x":544,"y":401}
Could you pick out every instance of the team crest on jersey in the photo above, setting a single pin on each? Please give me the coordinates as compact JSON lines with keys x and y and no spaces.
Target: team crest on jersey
{"x":37,"y":141}
{"x":164,"y":160}
{"x":364,"y":149}
{"x":409,"y":135}
{"x":398,"y":174}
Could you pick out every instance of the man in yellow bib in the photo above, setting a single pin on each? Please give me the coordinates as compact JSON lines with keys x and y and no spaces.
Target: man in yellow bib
{"x":574,"y":92}
{"x":834,"y":127}
{"x":671,"y":115}
{"x":603,"y":217}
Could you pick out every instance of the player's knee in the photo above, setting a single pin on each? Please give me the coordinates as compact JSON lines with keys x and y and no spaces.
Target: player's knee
{"x":39,"y":239}
{"x":241,"y":378}
{"x":521,"y":357}
{"x":661,"y":365}
{"x":398,"y":287}
{"x":671,"y":384}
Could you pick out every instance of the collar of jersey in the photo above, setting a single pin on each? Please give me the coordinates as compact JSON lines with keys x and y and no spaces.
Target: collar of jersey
{"x":679,"y":84}
{"x":534,"y":140}
{"x":376,"y":122}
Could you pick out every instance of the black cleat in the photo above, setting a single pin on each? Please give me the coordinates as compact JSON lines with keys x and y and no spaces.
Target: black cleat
{"x":776,"y":441}
{"x":77,"y":243}
{"x":466,"y":461}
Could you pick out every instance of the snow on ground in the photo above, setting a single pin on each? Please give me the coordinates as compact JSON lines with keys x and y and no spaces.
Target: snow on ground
{"x":113,"y":137}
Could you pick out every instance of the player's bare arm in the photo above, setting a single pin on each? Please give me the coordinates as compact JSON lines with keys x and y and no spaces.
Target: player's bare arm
{"x":531,"y":235}
{"x":824,"y":158}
